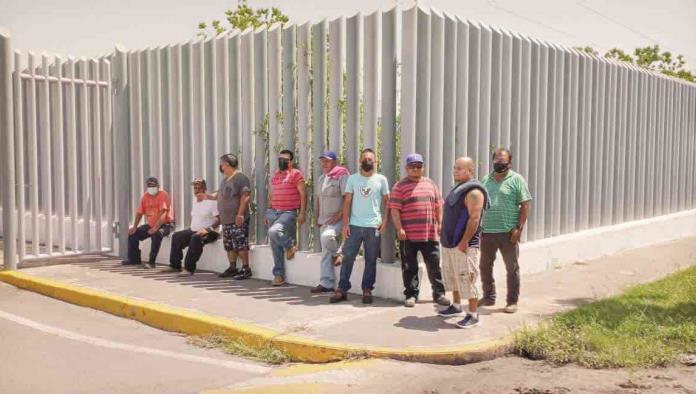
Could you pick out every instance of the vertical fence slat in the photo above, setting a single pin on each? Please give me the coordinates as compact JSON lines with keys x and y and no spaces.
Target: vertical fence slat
{"x":247,"y":95}
{"x":592,"y":131}
{"x":85,"y":139}
{"x":57,"y":109}
{"x":45,"y":154}
{"x":496,"y":54}
{"x":433,"y":156}
{"x":336,"y":102}
{"x":108,"y":149}
{"x":462,"y":129}
{"x":388,"y":111}
{"x":261,"y":148}
{"x":33,"y":156}
{"x":449,"y":123}
{"x":235,"y":104}
{"x":423,"y":92}
{"x":303,"y":116}
{"x":275,"y":101}
{"x":97,"y":177}
{"x":368,"y":109}
{"x":71,"y":126}
{"x":289,"y":85}
{"x":354,"y":56}
{"x":506,"y":92}
{"x":525,"y":147}
{"x":318,"y":104}
{"x":19,"y":135}
{"x":409,"y":72}
{"x":9,"y":218}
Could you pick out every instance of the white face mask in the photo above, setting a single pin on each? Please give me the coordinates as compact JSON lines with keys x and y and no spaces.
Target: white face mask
{"x":152,"y":190}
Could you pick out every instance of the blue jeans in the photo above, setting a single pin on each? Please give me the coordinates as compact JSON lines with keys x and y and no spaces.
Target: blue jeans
{"x":281,"y":234}
{"x":369,"y":237}
{"x":330,"y":247}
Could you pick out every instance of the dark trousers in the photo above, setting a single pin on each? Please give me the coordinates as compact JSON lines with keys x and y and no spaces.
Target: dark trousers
{"x":490,"y":244}
{"x":430,"y":250}
{"x":189,"y":239}
{"x":142,"y":234}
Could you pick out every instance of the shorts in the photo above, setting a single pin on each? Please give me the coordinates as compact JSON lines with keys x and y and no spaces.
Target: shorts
{"x":460,"y":271}
{"x":236,"y":238}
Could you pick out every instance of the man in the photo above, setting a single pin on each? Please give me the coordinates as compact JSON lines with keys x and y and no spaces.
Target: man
{"x":287,"y":204}
{"x":415,"y":204}
{"x":460,"y":238}
{"x":159,"y":217}
{"x":233,"y":197}
{"x":204,"y":219}
{"x":364,"y":220}
{"x":502,"y":226}
{"x":328,"y":207}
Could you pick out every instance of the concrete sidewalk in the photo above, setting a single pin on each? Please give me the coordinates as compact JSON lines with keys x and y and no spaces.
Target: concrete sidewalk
{"x":384,"y":324}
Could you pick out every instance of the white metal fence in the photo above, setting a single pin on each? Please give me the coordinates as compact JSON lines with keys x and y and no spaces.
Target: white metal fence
{"x":600,"y":142}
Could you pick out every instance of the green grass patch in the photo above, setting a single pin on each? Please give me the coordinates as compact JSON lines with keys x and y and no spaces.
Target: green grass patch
{"x":649,"y":325}
{"x":240,"y":348}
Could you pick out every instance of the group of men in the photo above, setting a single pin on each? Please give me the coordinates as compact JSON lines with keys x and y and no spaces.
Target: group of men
{"x":468,"y":227}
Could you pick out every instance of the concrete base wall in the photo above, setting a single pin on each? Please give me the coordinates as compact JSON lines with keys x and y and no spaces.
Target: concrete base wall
{"x":534,"y":256}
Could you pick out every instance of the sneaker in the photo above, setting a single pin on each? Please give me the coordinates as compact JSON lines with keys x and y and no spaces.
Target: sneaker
{"x":367,"y":297}
{"x":128,"y":262}
{"x":230,"y":271}
{"x":148,"y":265}
{"x":290,"y":253}
{"x":170,"y":270}
{"x":338,"y":296}
{"x":278,"y":281}
{"x":469,"y":321}
{"x":442,"y":301}
{"x":410,"y":302}
{"x":451,"y":311}
{"x":320,"y":289}
{"x":185,"y":273}
{"x":244,"y":273}
{"x":510,"y":308}
{"x":485,"y":301}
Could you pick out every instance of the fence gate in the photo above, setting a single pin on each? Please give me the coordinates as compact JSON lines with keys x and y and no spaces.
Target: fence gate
{"x":57,"y":148}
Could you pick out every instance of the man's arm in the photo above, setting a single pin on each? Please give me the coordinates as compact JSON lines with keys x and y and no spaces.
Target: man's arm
{"x":212,"y":196}
{"x":302,"y":188}
{"x":347,"y":202}
{"x":385,"y":214}
{"x":524,"y":214}
{"x":396,"y":217}
{"x":474,"y":205}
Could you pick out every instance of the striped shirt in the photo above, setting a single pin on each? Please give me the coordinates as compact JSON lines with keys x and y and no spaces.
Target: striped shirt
{"x":505,"y":197}
{"x":418,"y":203}
{"x":284,"y":193}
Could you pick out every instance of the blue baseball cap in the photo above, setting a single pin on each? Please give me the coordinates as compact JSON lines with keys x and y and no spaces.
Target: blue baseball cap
{"x":329,"y":155}
{"x":414,"y":158}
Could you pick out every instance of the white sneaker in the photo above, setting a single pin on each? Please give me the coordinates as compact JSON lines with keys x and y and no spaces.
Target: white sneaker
{"x":410,"y":302}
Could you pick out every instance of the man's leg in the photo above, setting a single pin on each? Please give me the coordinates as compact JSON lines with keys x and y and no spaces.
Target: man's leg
{"x":279,"y":234}
{"x":195,"y":250}
{"x":511,"y":254}
{"x":180,"y":240}
{"x":371,"y":243}
{"x":157,"y":237}
{"x":409,"y":268}
{"x":351,"y":246}
{"x":488,"y":250}
{"x":241,"y":247}
{"x":134,"y":243}
{"x":329,"y":248}
{"x":431,"y":254}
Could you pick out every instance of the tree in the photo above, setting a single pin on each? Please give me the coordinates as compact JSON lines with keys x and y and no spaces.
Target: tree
{"x":650,"y":58}
{"x":244,"y":17}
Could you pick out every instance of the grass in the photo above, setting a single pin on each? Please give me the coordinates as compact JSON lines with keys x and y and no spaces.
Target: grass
{"x":649,"y":325}
{"x":240,"y":348}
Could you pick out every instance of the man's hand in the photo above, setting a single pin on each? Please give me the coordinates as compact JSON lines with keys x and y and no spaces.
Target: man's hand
{"x":301,"y":218}
{"x":401,"y":234}
{"x":132,"y":230}
{"x":153,"y":230}
{"x":239,"y":220}
{"x":334,"y":219}
{"x":346,"y":232}
{"x":383,"y":227}
{"x":463,"y":247}
{"x":202,"y":232}
{"x":515,"y":236}
{"x":201,"y":196}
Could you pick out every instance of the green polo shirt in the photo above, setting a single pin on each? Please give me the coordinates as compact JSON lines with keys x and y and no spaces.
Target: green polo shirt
{"x":505,"y":198}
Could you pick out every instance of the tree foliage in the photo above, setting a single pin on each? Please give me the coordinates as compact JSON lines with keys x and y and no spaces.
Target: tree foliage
{"x":651,"y":58}
{"x":244,"y":17}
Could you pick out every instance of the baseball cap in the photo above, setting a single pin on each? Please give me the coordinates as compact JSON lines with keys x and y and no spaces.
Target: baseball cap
{"x":153,"y":180}
{"x":329,"y":155}
{"x":414,"y":158}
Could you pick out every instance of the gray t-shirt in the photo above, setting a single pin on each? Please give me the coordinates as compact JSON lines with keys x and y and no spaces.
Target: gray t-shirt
{"x":330,"y":196}
{"x":230,"y":195}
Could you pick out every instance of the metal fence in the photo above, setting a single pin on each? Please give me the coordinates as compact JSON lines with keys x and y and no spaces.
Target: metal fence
{"x":600,"y":142}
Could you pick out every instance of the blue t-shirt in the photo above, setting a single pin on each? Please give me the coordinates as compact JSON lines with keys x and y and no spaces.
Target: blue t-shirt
{"x":368,"y":193}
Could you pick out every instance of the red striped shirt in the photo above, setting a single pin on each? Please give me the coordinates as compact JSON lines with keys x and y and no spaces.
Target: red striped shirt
{"x":284,"y":193}
{"x":417,"y":202}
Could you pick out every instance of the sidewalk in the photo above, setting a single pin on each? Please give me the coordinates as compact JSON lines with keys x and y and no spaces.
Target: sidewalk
{"x":291,"y":309}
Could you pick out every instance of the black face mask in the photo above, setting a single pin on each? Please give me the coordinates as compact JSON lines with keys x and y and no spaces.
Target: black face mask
{"x":367,"y":166}
{"x":221,"y":170}
{"x":500,"y":167}
{"x":283,"y":163}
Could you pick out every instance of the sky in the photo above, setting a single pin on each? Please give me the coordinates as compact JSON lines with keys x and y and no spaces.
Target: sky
{"x":92,"y":28}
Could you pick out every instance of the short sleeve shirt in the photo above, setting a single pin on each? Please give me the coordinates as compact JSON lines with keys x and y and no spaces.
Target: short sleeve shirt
{"x":284,"y":193}
{"x":203,"y":214}
{"x":368,"y":193}
{"x":418,"y":204}
{"x":505,"y":198}
{"x":331,"y":196}
{"x":152,"y":206}
{"x":230,"y":196}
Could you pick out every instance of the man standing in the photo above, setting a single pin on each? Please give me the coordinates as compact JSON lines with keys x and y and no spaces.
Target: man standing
{"x":461,"y":237}
{"x":364,"y":220}
{"x":159,"y":216}
{"x":332,"y":185}
{"x":415,"y":204}
{"x":204,"y":219}
{"x":233,"y":197}
{"x":286,"y":198}
{"x":502,"y":226}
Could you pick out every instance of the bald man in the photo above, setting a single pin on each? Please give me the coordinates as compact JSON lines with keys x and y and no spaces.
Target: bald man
{"x":461,"y":239}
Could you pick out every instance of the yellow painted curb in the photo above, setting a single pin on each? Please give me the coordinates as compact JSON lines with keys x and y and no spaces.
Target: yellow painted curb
{"x":194,"y":323}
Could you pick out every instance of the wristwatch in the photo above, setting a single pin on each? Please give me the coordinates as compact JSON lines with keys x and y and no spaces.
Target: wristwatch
{"x":519,"y":227}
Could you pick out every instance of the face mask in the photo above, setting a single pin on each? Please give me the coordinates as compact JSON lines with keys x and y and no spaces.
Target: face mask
{"x":152,"y":190}
{"x":500,"y":167}
{"x":367,"y":166}
{"x":221,"y":170}
{"x":283,"y":164}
